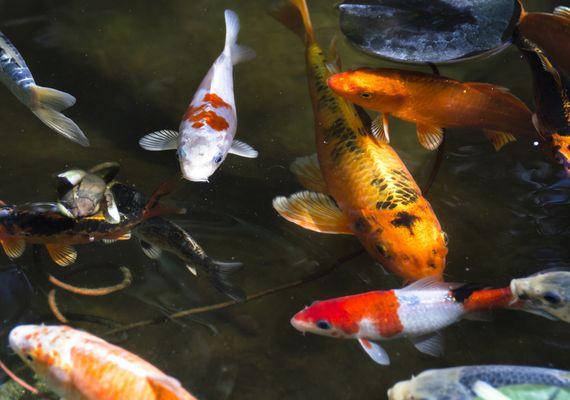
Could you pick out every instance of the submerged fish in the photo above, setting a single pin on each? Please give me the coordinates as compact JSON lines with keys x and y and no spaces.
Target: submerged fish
{"x":85,"y":193}
{"x":416,"y":312}
{"x":52,"y":225}
{"x":552,"y":101}
{"x":78,"y":365}
{"x":359,"y":185}
{"x":206,"y":134}
{"x":434,"y":102}
{"x":487,"y":382}
{"x":158,"y":235}
{"x":46,"y":103}
{"x":550,"y":32}
{"x":546,"y":293}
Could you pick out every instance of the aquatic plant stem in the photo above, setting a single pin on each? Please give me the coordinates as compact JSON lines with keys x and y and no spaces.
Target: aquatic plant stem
{"x":55,"y":309}
{"x":103,"y":291}
{"x":213,"y":307}
{"x":22,"y":382}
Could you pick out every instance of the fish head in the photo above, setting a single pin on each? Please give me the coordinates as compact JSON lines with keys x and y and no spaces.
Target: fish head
{"x":546,"y":293}
{"x":401,"y":391}
{"x":326,"y":318}
{"x":199,"y":158}
{"x":41,"y":347}
{"x":409,"y":243}
{"x":370,"y":88}
{"x":561,"y":147}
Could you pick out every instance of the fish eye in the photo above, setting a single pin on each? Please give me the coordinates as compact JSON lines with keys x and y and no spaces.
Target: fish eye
{"x":322,"y":324}
{"x":366,"y":95}
{"x":445,"y":238}
{"x":552,"y":298}
{"x":382,"y":250}
{"x":218,"y":159}
{"x":29,"y":358}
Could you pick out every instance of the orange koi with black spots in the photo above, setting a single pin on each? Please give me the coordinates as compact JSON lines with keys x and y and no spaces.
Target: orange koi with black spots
{"x":359,"y":184}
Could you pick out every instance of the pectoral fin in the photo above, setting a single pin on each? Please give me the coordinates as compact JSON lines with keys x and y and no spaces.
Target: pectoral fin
{"x":243,"y":149}
{"x":62,"y":254}
{"x":14,"y":248}
{"x":429,"y":137}
{"x":485,"y":391}
{"x":431,"y":344}
{"x":160,"y":140}
{"x":380,"y":129}
{"x":166,"y":388}
{"x":315,"y":211}
{"x":499,"y":139}
{"x":149,"y":250}
{"x":308,"y":173}
{"x":110,"y":210}
{"x":375,"y":351}
{"x":562,"y":11}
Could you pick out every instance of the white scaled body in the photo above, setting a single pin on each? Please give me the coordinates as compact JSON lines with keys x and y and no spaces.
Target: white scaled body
{"x":206,"y":133}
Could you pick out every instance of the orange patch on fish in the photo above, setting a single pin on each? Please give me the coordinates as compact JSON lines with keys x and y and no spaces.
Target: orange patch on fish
{"x":216,"y":101}
{"x":488,"y":299}
{"x":201,"y":115}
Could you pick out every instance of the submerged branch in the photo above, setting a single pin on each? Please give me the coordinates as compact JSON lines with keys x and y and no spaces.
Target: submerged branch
{"x":213,"y":307}
{"x":103,"y":291}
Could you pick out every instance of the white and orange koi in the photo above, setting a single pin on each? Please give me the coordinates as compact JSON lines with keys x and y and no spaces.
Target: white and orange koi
{"x":416,"y":312}
{"x":206,"y":134}
{"x":77,"y":365}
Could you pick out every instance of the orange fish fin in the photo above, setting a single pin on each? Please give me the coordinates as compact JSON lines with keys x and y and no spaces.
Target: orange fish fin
{"x":14,"y":248}
{"x":294,"y":14}
{"x":314,"y":211}
{"x":430,"y":137}
{"x":499,"y":139}
{"x":380,"y":129}
{"x":488,"y":88}
{"x":166,"y":388}
{"x":126,"y":236}
{"x":62,"y":254}
{"x":308,"y":173}
{"x":549,"y":68}
{"x":334,"y":63}
{"x":562,"y":11}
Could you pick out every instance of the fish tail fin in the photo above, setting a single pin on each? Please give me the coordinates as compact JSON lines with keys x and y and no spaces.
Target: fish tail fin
{"x":220,"y":274}
{"x":48,"y":104}
{"x":294,"y":14}
{"x":237,"y":52}
{"x":154,"y":208}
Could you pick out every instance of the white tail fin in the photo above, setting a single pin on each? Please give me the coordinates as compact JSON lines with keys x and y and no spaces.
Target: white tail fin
{"x":48,"y":105}
{"x":237,"y":53}
{"x":61,"y":124}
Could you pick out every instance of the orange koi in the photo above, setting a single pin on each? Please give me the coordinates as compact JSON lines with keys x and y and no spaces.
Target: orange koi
{"x":358,"y":184}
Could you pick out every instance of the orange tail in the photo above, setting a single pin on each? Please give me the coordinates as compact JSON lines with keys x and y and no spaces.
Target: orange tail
{"x":294,"y":14}
{"x":154,"y":209}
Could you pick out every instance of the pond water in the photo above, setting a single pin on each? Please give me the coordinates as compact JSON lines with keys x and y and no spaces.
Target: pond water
{"x":134,"y":66}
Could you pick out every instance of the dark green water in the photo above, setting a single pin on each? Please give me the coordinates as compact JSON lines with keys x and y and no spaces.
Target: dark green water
{"x":134,"y":67}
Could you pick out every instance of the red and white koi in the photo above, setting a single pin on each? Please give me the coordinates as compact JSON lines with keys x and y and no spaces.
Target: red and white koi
{"x":77,"y":365}
{"x":206,"y":134}
{"x":416,"y":312}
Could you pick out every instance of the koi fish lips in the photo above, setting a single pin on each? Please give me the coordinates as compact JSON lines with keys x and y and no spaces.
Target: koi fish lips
{"x":199,"y":159}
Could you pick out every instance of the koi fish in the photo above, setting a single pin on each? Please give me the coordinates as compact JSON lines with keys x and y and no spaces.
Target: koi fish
{"x":487,"y":382}
{"x":416,"y":312}
{"x":78,"y":365}
{"x":46,"y":103}
{"x":85,"y":193}
{"x":158,"y":235}
{"x":546,"y":293}
{"x":552,"y":101}
{"x":551,"y":33}
{"x":358,"y":184}
{"x":206,"y":134}
{"x":435,"y":102}
{"x":52,"y":225}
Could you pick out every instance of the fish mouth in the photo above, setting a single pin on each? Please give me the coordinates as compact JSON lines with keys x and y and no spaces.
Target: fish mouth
{"x":301,"y":326}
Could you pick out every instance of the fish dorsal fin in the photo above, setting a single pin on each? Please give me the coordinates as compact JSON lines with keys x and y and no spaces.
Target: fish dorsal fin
{"x":308,"y":173}
{"x":243,"y":149}
{"x":380,"y":128}
{"x":499,"y":139}
{"x":160,"y":140}
{"x":62,"y":254}
{"x":430,"y":137}
{"x":430,"y":283}
{"x":166,"y":388}
{"x":375,"y":351}
{"x":315,"y":211}
{"x":431,"y":344}
{"x":562,"y":11}
{"x":485,"y":391}
{"x":13,"y":248}
{"x":149,"y":250}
